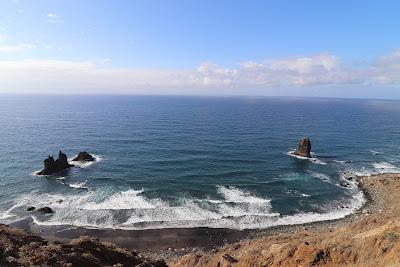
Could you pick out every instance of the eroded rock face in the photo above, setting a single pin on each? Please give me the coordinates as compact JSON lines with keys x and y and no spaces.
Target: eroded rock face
{"x":84,"y":156}
{"x":52,"y":166}
{"x":304,"y":148}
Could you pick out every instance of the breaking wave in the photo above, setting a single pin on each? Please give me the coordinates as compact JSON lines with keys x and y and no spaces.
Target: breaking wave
{"x":323,"y":177}
{"x":79,"y":185}
{"x":131,"y":209}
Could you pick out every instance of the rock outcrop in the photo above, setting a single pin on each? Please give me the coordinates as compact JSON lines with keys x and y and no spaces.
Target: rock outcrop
{"x":84,"y":156}
{"x":304,"y":148}
{"x":53,"y":166}
{"x":47,"y":210}
{"x":19,"y":248}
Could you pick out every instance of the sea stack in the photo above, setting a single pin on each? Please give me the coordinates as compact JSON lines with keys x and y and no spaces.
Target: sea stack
{"x":84,"y":156}
{"x":52,"y":166}
{"x":304,"y":148}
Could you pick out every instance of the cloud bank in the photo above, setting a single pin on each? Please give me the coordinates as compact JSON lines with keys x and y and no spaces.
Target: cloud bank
{"x":322,"y":70}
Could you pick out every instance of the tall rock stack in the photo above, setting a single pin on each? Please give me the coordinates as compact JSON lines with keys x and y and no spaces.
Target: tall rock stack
{"x":51,"y":166}
{"x":304,"y":148}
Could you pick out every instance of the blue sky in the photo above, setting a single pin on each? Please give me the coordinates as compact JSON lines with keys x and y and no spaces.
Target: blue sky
{"x":307,"y":48}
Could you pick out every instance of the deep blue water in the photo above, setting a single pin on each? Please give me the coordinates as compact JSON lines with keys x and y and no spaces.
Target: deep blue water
{"x":191,"y":161}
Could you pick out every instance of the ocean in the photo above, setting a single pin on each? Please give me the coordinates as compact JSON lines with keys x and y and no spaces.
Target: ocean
{"x":173,"y":162}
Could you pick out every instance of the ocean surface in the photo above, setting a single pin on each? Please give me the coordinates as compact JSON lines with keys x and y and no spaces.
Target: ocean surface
{"x":191,"y":161}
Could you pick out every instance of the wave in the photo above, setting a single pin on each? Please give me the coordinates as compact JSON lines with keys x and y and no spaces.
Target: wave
{"x":385,"y":167}
{"x":313,"y":159}
{"x":342,"y":161}
{"x":323,"y":177}
{"x":374,"y":152}
{"x":78,"y":185}
{"x":131,"y":209}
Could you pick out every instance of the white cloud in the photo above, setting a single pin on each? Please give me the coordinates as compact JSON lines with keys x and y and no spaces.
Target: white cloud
{"x":386,"y":69}
{"x":54,"y":76}
{"x":54,"y":18}
{"x":52,"y":15}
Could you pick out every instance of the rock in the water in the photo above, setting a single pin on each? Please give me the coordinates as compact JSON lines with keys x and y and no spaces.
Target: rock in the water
{"x":30,"y":208}
{"x":53,"y":166}
{"x":84,"y":156}
{"x":344,"y":184}
{"x":46,"y":210}
{"x":304,"y":148}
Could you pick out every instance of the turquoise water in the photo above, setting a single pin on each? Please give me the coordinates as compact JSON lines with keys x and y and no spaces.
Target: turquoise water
{"x":191,"y":161}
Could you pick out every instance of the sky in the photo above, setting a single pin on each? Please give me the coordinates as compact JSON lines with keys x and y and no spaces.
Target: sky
{"x":336,"y":48}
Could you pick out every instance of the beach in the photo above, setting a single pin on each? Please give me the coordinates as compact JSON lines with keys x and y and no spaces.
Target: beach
{"x":369,"y":237}
{"x":365,"y":238}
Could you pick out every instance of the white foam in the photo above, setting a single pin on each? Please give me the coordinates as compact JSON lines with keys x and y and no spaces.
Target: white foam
{"x":235,"y":195}
{"x":78,"y":185}
{"x":323,"y":177}
{"x":341,"y":161}
{"x":385,"y":167}
{"x":313,"y":159}
{"x":374,"y":152}
{"x":130,"y":209}
{"x":8,"y":213}
{"x":125,"y":200}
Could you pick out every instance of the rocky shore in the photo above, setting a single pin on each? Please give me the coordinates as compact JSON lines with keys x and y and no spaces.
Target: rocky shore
{"x":19,"y":248}
{"x":369,"y":237}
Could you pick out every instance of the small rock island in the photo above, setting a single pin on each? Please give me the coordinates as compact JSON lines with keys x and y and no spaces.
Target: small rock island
{"x":304,"y":148}
{"x":53,"y":166}
{"x":84,"y":156}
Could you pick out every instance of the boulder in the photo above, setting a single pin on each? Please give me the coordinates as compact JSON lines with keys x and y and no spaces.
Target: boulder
{"x":344,"y":184}
{"x":84,"y":156}
{"x":304,"y":148}
{"x":52,"y":166}
{"x":46,"y":210}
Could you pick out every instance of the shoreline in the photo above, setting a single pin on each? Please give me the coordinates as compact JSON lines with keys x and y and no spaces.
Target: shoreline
{"x":171,"y":243}
{"x":351,"y":240}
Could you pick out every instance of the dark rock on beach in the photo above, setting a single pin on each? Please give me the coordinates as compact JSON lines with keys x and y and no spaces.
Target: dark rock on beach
{"x":84,"y":156}
{"x":53,"y":166}
{"x":47,"y":210}
{"x":31,"y":209}
{"x":304,"y":148}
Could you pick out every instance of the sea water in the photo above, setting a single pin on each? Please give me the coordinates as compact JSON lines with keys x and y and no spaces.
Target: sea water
{"x":191,"y":161}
